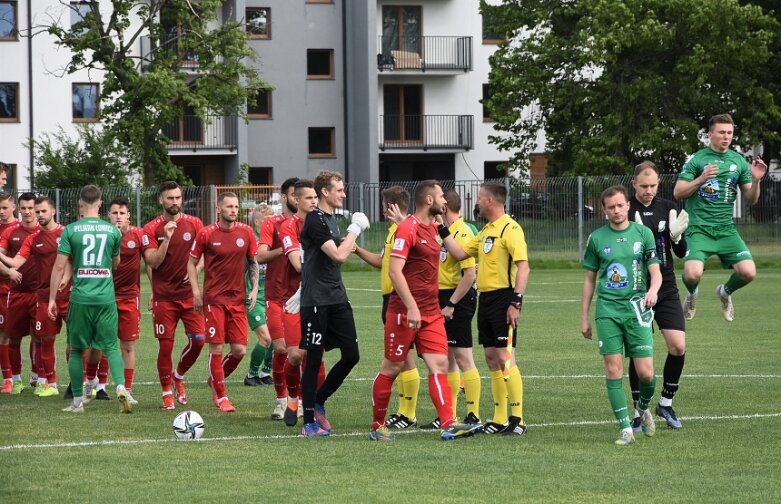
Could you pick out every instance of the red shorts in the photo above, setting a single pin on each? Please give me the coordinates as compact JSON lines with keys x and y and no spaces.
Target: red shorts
{"x":292,"y":323}
{"x":274,"y":316}
{"x":3,"y":305}
{"x":129,"y":312}
{"x":399,"y":338}
{"x":44,"y":326}
{"x":166,"y":314}
{"x":20,"y":314}
{"x":226,"y":324}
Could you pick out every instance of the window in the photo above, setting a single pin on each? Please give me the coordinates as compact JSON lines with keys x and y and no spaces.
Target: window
{"x":8,"y":21}
{"x":321,"y":142}
{"x":260,"y":175}
{"x":9,"y":101}
{"x":85,"y":102}
{"x":79,"y":11}
{"x":261,"y":109}
{"x":494,"y":169}
{"x":320,"y":63}
{"x":258,"y":22}
{"x":401,"y":31}
{"x":490,"y":19}
{"x":486,"y":95}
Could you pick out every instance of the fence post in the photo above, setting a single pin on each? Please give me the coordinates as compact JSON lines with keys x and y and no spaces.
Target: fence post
{"x":580,"y":218}
{"x":138,"y":206}
{"x":212,"y":203}
{"x":57,"y":203}
{"x":361,"y":206}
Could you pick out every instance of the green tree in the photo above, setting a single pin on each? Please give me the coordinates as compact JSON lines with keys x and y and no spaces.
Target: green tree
{"x":142,"y":95}
{"x":93,"y":158}
{"x":614,"y":81}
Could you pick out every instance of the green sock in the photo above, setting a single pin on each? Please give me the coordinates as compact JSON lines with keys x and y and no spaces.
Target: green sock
{"x":256,"y":357}
{"x":116,"y":366}
{"x":266,"y":366}
{"x":617,"y":397}
{"x":646,"y":393}
{"x":76,"y":372}
{"x":734,"y":283}
{"x":691,"y":287}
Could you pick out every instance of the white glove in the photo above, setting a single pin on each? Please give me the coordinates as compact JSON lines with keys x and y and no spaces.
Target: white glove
{"x":293,"y":305}
{"x":678,"y":224}
{"x":359,"y":223}
{"x":638,"y":219}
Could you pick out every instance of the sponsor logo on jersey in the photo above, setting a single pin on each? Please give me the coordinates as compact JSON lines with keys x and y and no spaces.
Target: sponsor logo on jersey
{"x":743,"y":253}
{"x":214,"y":244}
{"x":710,"y":190}
{"x":637,"y":247}
{"x":38,"y":245}
{"x":616,"y":276}
{"x":607,"y":251}
{"x":187,"y":236}
{"x":733,"y":167}
{"x":131,"y":244}
{"x":145,"y":240}
{"x":488,"y":245}
{"x":398,"y":244}
{"x":93,"y":273}
{"x":240,"y":242}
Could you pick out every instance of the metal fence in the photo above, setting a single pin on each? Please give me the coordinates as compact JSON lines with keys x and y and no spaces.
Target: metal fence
{"x":557,"y":213}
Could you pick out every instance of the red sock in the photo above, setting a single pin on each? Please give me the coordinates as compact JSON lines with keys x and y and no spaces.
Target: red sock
{"x":278,"y":374}
{"x":92,"y":369}
{"x":190,"y":353}
{"x":103,"y":369}
{"x":129,"y":378}
{"x":15,"y":356}
{"x":381,"y":394}
{"x":5,"y":361}
{"x":35,"y":352}
{"x":47,"y":358}
{"x":165,"y":364}
{"x":229,"y":364}
{"x":439,"y":391}
{"x":293,"y":378}
{"x":217,"y":374}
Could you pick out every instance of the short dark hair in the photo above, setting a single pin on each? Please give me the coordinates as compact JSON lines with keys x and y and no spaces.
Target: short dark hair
{"x":646,"y":165}
{"x":90,"y":194}
{"x":324,"y":180}
{"x":453,"y":200}
{"x":497,"y":190}
{"x":121,"y":201}
{"x":302,"y":184}
{"x":612,"y":191}
{"x":4,"y":167}
{"x":287,"y":184}
{"x":396,"y":195}
{"x":720,"y":119}
{"x":167,"y":186}
{"x":27,"y":196}
{"x":7,"y":195}
{"x":423,"y":189}
{"x":44,"y":199}
{"x":226,"y":194}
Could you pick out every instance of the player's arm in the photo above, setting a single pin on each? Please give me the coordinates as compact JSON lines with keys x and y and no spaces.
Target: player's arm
{"x":450,"y":243}
{"x":266,"y":254}
{"x":685,"y":188}
{"x":254,"y":275}
{"x":468,"y":276}
{"x":679,"y":249}
{"x":294,"y":256}
{"x":521,"y":279}
{"x":192,"y":276}
{"x":402,"y":289}
{"x":157,"y":256}
{"x":589,"y":285}
{"x":58,"y":271}
{"x":369,"y":258}
{"x":751,"y":191}
{"x":342,"y":252}
{"x":655,"y":273}
{"x":11,"y":262}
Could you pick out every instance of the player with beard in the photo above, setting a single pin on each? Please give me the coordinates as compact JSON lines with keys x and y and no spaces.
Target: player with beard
{"x":166,"y":244}
{"x":7,"y":219}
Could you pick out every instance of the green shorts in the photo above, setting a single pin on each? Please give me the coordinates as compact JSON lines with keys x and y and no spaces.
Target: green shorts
{"x":617,"y":334}
{"x":92,"y":326}
{"x":257,"y":315}
{"x":729,"y":246}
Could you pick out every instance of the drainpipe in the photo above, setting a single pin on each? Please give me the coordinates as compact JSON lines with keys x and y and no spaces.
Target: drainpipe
{"x":30,"y":88}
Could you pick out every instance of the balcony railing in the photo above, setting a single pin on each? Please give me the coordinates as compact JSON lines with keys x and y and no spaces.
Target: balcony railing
{"x":426,"y":132}
{"x":187,"y":59}
{"x":424,"y":54}
{"x":195,"y":133}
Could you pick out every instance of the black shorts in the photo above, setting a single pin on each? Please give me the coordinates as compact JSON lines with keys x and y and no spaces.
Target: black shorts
{"x":385,"y":303}
{"x":459,"y":328}
{"x":328,"y":327}
{"x":668,"y":312}
{"x":492,"y":318}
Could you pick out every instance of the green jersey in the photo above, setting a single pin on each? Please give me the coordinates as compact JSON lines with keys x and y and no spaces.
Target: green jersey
{"x":712,"y":204}
{"x":91,"y":243}
{"x":620,"y":259}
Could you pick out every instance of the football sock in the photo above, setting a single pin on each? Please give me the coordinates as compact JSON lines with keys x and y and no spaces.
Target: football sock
{"x":691,"y":287}
{"x":217,"y":375}
{"x":35,"y":358}
{"x":76,"y":372}
{"x":103,"y":369}
{"x":381,"y":393}
{"x":439,"y":391}
{"x":634,"y":382}
{"x":129,"y":372}
{"x":92,"y":370}
{"x":165,"y":363}
{"x":256,"y":359}
{"x":499,"y":392}
{"x":472,"y":391}
{"x":278,"y":374}
{"x":5,"y":361}
{"x":617,"y":398}
{"x":292,"y":378}
{"x":646,"y":393}
{"x":336,"y":375}
{"x":116,"y":366}
{"x":454,"y":382}
{"x":408,"y":405}
{"x":190,"y":353}
{"x":734,"y":282}
{"x":399,"y":382}
{"x":309,"y":383}
{"x":15,"y":356}
{"x":268,"y":357}
{"x":321,"y":374}
{"x":48,"y":359}
{"x":515,"y":392}
{"x":673,"y":368}
{"x":230,"y":363}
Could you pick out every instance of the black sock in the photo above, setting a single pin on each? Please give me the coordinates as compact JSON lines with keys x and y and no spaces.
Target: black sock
{"x":673,"y":367}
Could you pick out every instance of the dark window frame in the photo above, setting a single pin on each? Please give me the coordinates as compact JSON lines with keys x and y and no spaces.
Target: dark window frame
{"x":258,"y":36}
{"x":11,"y":118}
{"x":76,"y":119}
{"x":14,"y":34}
{"x":267,"y":93}
{"x":330,"y":74}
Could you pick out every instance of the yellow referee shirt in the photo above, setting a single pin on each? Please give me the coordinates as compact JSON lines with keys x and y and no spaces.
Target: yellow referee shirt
{"x":449,"y":268}
{"x":497,"y":247}
{"x":385,"y":282}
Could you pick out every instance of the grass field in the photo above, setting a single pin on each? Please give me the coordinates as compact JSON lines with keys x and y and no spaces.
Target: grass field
{"x":727,"y":451}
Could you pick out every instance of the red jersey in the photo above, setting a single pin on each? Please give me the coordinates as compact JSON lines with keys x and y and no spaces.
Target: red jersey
{"x":11,"y":241}
{"x":289,"y":232}
{"x":41,"y":246}
{"x":127,"y":277}
{"x":276,"y":270}
{"x":169,"y":280}
{"x":5,"y":282}
{"x":417,"y":243}
{"x":225,"y":253}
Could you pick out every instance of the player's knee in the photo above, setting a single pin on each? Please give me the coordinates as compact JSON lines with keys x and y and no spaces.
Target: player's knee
{"x":351,"y":356}
{"x":747,"y":274}
{"x":197,"y":340}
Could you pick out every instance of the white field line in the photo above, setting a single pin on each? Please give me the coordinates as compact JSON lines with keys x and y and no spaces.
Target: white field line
{"x":119,"y":442}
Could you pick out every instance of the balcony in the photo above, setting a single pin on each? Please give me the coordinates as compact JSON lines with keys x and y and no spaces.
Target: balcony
{"x":188,"y":60}
{"x":193,"y":133}
{"x":425,"y":54}
{"x":426,"y":132}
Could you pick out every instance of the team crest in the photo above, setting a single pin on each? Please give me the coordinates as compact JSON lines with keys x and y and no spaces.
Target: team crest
{"x":287,"y":242}
{"x":616,"y":276}
{"x":145,"y":240}
{"x":239,"y":242}
{"x":131,"y":244}
{"x":662,"y":226}
{"x":187,"y":237}
{"x":607,"y":251}
{"x":637,"y":247}
{"x":488,"y":245}
{"x":733,"y":167}
{"x":398,"y":244}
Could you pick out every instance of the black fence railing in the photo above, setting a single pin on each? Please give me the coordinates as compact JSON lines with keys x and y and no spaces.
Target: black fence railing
{"x":424,"y":54}
{"x":196,"y":133}
{"x":426,"y":132}
{"x":188,"y":59}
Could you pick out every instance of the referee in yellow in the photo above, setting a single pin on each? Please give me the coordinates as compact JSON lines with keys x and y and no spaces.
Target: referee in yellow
{"x":500,"y":249}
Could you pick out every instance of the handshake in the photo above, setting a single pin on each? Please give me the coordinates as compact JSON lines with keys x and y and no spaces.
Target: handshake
{"x":359,"y":223}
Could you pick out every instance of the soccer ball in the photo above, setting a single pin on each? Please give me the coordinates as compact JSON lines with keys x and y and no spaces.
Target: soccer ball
{"x":188,"y":425}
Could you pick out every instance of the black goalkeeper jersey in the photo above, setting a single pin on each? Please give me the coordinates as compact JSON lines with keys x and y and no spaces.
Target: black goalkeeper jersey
{"x":655,"y":216}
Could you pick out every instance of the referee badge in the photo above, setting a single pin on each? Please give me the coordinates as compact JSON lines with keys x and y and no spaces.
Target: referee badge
{"x":442,"y":254}
{"x":488,"y":245}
